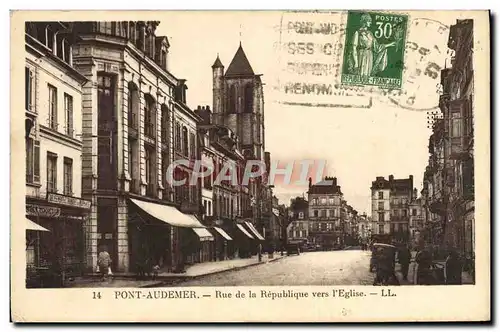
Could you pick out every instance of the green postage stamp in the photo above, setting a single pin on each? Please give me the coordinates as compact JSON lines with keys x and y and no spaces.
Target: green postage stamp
{"x":374,"y":49}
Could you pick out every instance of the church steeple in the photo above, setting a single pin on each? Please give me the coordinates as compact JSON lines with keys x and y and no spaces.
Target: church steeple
{"x":240,"y":66}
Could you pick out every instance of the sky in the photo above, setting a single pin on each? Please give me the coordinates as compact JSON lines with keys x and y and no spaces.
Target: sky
{"x":358,"y":144}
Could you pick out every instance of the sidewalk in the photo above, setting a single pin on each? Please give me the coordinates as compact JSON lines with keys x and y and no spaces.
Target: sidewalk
{"x":164,"y":278}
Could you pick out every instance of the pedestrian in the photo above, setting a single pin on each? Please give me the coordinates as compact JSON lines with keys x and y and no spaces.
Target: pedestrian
{"x":404,"y":258}
{"x":453,"y":269}
{"x":424,"y":262}
{"x":104,"y":263}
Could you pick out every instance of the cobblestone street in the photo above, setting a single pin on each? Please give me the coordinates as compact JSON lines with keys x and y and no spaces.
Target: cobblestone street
{"x":350,"y":267}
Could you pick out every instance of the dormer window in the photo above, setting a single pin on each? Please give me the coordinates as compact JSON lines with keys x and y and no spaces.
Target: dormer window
{"x":49,"y":38}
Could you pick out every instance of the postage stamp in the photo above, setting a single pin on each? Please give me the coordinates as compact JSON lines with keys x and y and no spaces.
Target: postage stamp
{"x":374,"y":49}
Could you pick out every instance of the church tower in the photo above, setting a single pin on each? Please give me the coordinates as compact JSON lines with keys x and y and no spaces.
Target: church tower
{"x":218,"y":90}
{"x":239,"y":99}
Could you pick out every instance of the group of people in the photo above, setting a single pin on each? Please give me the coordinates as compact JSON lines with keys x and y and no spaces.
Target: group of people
{"x":384,"y":258}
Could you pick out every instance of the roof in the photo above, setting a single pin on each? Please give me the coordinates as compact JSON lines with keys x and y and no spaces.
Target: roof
{"x":217,"y":63}
{"x":239,"y":66}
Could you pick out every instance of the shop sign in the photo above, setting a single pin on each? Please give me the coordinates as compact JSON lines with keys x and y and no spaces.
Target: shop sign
{"x":68,"y":201}
{"x":42,"y":211}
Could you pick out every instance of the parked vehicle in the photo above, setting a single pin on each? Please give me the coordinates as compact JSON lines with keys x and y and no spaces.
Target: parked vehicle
{"x":292,"y":249}
{"x":383,"y":260}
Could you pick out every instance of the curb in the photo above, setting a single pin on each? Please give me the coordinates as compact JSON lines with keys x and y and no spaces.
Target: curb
{"x":188,"y":278}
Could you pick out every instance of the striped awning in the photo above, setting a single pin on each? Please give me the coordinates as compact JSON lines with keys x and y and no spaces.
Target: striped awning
{"x":254,"y":230}
{"x":203,"y":234}
{"x":244,"y":231}
{"x":168,"y":214}
{"x":223,"y":233}
{"x":31,"y":226}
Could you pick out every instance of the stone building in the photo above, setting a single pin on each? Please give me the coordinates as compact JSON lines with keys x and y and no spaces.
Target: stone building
{"x":451,"y":168}
{"x":298,"y":228}
{"x":238,"y":104}
{"x":135,"y":124}
{"x":225,"y":202}
{"x":390,"y":204}
{"x":326,"y":219}
{"x":53,"y":118}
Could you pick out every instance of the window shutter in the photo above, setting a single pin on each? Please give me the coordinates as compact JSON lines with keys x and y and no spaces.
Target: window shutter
{"x":36,"y":162}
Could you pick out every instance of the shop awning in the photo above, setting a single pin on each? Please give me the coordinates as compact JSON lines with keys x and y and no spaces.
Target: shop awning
{"x":31,"y":226}
{"x":223,"y":233}
{"x":203,"y":234}
{"x":254,"y":230}
{"x":240,"y":226}
{"x":168,"y":214}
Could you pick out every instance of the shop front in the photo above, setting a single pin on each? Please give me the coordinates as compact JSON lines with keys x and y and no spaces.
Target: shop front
{"x":164,"y":236}
{"x":57,"y":254}
{"x":245,"y":242}
{"x":223,"y":243}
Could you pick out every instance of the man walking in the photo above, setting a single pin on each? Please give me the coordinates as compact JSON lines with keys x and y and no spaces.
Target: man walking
{"x":404,"y":258}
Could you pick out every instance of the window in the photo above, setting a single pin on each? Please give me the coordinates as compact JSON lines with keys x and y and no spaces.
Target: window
{"x":380,"y":195}
{"x":164,"y":168}
{"x":149,"y":117}
{"x":52,"y":107}
{"x":68,"y":113}
{"x":164,"y":124}
{"x":301,"y":215}
{"x":249,"y":98}
{"x":49,"y":38}
{"x":133,"y":102}
{"x":331,"y":201}
{"x":313,"y":201}
{"x":323,"y":200}
{"x":178,"y":137}
{"x":332,"y":213}
{"x":68,"y":176}
{"x":381,"y":216}
{"x":405,"y":213}
{"x":192,"y":145}
{"x":456,"y":124}
{"x":315,"y":213}
{"x":233,"y":100}
{"x":29,"y":89}
{"x":185,"y":147}
{"x":323,"y":213}
{"x":380,"y":205}
{"x":150,"y":169}
{"x":381,"y":229}
{"x":32,"y":161}
{"x":51,"y":172}
{"x":106,"y":27}
{"x":209,"y":208}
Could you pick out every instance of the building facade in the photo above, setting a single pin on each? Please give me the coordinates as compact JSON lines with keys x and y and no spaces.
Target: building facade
{"x":390,"y":206}
{"x":238,"y":104}
{"x":327,"y":216}
{"x":135,"y":124}
{"x":298,"y":228}
{"x":454,"y":127}
{"x":53,"y":118}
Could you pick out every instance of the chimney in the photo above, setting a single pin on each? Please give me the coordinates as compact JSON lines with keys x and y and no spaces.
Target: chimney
{"x":310,"y":183}
{"x":391,"y":177}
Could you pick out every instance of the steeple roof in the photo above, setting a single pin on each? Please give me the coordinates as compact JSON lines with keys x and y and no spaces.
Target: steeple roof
{"x":217,"y":63}
{"x":240,"y":66}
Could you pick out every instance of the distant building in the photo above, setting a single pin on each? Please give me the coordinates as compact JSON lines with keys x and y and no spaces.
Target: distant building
{"x":390,"y":204}
{"x":326,"y":223}
{"x":364,"y":228}
{"x":417,"y":219}
{"x":298,"y":228}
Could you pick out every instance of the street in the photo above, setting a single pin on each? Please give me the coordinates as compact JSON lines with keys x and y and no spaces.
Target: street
{"x":346,"y":267}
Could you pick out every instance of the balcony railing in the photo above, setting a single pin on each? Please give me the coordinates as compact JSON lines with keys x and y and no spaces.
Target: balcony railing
{"x":400,"y":218}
